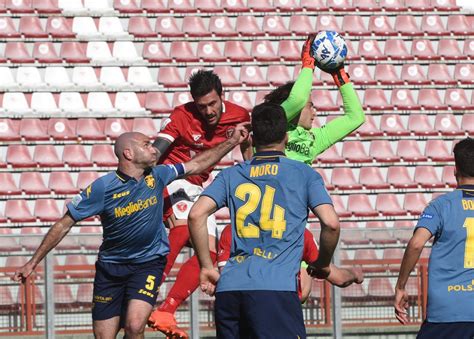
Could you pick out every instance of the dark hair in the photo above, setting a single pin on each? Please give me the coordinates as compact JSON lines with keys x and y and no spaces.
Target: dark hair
{"x":464,"y":158}
{"x":203,"y":82}
{"x":279,"y":94}
{"x":269,"y":124}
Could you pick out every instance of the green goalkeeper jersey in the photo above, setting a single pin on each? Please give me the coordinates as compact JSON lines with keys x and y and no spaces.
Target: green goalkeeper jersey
{"x":304,"y":145}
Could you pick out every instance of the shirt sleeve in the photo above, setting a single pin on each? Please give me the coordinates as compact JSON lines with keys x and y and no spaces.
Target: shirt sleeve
{"x":173,"y":126}
{"x":317,"y":192}
{"x":168,"y":173}
{"x":431,"y":220}
{"x":310,"y":249}
{"x":217,"y":190}
{"x":299,"y":94}
{"x":342,"y":126}
{"x":89,"y":202}
{"x":223,"y":253}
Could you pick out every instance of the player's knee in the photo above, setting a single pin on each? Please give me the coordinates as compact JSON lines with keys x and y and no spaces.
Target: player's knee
{"x":134,"y":326}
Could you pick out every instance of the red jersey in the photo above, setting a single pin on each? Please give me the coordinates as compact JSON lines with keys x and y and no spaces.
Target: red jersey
{"x":190,"y":135}
{"x":310,"y":249}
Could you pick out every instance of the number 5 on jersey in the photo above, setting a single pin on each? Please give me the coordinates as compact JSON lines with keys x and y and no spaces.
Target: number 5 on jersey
{"x":251,"y":194}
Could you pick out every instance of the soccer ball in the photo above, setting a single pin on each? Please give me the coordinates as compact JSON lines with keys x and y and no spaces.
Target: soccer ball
{"x":329,"y":49}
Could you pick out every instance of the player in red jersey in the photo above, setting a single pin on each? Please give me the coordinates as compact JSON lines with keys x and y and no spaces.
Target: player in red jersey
{"x":339,"y":276}
{"x":198,"y":125}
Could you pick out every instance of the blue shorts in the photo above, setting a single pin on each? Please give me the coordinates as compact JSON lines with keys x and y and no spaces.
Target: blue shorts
{"x":458,"y":330}
{"x":259,"y":314}
{"x":116,"y":284}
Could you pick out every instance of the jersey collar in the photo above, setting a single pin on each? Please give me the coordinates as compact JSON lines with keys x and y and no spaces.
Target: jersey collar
{"x":126,"y":178}
{"x":269,"y":154}
{"x":466,"y":187}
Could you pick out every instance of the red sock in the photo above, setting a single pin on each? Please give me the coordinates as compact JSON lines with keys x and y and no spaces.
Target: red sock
{"x":186,"y":283}
{"x":178,"y":237}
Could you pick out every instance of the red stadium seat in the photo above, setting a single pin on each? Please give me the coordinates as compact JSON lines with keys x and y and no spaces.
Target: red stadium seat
{"x":369,"y":128}
{"x":439,"y":74}
{"x":114,"y":127}
{"x":62,"y":129}
{"x":127,"y":6}
{"x":289,"y":50}
{"x":402,"y":99}
{"x":360,"y":74}
{"x":61,"y":183}
{"x":34,"y":129}
{"x":367,"y":5}
{"x":459,"y":25}
{"x":17,"y":52}
{"x":399,"y":177}
{"x":426,"y":177}
{"x":235,"y":50}
{"x":323,"y":175}
{"x":45,"y":52}
{"x":248,"y":26}
{"x":449,"y":49}
{"x":19,"y":156}
{"x":370,"y":50}
{"x":423,"y":49}
{"x":278,"y":75}
{"x":429,"y":99}
{"x":406,"y":25}
{"x":181,"y":6}
{"x":371,"y":178}
{"x":287,"y":5}
{"x":326,"y":23}
{"x":375,"y":99}
{"x":420,"y":125}
{"x":167,"y":26}
{"x":221,"y":26}
{"x":18,"y":211}
{"x":393,"y":5}
{"x":90,"y":129}
{"x":323,"y":100}
{"x":103,"y":155}
{"x":2,"y":6}
{"x":63,"y":298}
{"x":262,"y":50}
{"x":380,"y":25}
{"x":314,"y":5}
{"x":413,"y":74}
{"x":47,"y":156}
{"x":170,"y":77}
{"x":381,"y":150}
{"x":33,"y":183}
{"x":380,"y":289}
{"x":154,"y":6}
{"x":409,"y":150}
{"x":331,"y":155}
{"x":157,"y":102}
{"x":354,"y":25}
{"x":31,"y":238}
{"x":74,"y":52}
{"x":234,"y":6}
{"x":468,"y":50}
{"x":388,"y":205}
{"x":59,"y":27}
{"x":209,"y":51}
{"x":445,"y":5}
{"x":387,"y":75}
{"x":377,"y":232}
{"x":467,"y":123}
{"x":75,"y":156}
{"x":22,"y":6}
{"x":154,"y":51}
{"x":180,"y":98}
{"x":208,"y":6}
{"x":456,"y":99}
{"x":419,"y":5}
{"x":46,"y":6}
{"x":414,"y":203}
{"x":300,"y":25}
{"x":353,"y":151}
{"x":84,"y":179}
{"x":464,"y":73}
{"x":47,"y":210}
{"x":340,"y":5}
{"x":85,"y":295}
{"x":241,"y":98}
{"x":10,"y":130}
{"x":145,"y":126}
{"x":339,"y":207}
{"x":8,"y":186}
{"x":396,"y":49}
{"x":274,"y":25}
{"x":392,"y":125}
{"x":194,"y":26}
{"x":433,"y":25}
{"x":181,"y":51}
{"x":140,"y":27}
{"x":360,"y":205}
{"x":9,"y":244}
{"x":343,"y":178}
{"x":8,"y":29}
{"x":252,"y":76}
{"x":448,"y":176}
{"x":30,"y":27}
{"x":447,"y":125}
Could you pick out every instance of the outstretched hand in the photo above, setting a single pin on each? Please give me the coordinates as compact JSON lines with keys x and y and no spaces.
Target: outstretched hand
{"x":307,"y":60}
{"x":401,"y":305}
{"x":208,"y":278}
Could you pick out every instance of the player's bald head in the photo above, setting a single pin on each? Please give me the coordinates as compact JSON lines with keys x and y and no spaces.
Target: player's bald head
{"x":127,"y":141}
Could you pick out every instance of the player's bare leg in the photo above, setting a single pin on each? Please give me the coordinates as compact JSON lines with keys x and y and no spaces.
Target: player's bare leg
{"x":106,"y":329}
{"x":136,"y":318}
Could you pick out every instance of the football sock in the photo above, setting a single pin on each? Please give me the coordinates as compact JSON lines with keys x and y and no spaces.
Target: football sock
{"x":187,"y":281}
{"x":178,"y":238}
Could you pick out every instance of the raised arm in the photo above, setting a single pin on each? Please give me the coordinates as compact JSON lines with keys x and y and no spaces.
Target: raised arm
{"x":55,"y":234}
{"x":210,"y":157}
{"x":161,"y":146}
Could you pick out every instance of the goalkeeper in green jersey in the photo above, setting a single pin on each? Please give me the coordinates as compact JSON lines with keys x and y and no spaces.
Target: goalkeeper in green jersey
{"x":304,"y":141}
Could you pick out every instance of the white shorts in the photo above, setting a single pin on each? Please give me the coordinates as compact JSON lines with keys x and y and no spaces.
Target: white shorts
{"x":183,"y":194}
